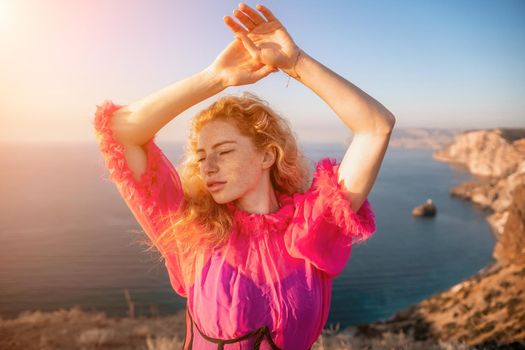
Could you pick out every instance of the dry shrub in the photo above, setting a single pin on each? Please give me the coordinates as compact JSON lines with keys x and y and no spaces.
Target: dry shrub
{"x":95,"y":337}
{"x":330,"y":339}
{"x":164,"y":343}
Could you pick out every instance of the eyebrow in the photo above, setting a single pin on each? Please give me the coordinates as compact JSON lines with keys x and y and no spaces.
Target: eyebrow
{"x":216,"y":145}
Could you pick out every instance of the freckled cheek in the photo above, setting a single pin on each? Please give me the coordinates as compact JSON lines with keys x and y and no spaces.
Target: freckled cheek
{"x":238,"y":173}
{"x":235,"y":174}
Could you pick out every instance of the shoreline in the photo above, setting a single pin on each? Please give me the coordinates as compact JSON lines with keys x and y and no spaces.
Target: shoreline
{"x":487,"y":309}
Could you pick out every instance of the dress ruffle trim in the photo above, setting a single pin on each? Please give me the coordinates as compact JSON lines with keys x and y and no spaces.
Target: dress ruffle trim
{"x":255,"y":224}
{"x":140,"y":191}
{"x":359,"y":226}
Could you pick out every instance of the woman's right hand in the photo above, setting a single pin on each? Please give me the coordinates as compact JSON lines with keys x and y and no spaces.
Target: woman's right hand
{"x":235,"y":66}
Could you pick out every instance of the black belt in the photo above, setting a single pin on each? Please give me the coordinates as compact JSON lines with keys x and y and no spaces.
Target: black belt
{"x":259,"y":333}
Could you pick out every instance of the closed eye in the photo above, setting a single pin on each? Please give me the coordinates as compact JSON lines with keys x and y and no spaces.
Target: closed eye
{"x":200,"y":160}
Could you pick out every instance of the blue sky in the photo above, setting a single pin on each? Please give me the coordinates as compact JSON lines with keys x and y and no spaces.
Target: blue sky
{"x":445,"y":64}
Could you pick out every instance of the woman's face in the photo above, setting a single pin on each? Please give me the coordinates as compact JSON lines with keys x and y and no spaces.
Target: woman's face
{"x":227,"y":156}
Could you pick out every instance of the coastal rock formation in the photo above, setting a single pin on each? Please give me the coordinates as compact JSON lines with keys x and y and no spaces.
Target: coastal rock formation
{"x":510,"y":248}
{"x":493,"y":153}
{"x":495,"y":194}
{"x":503,"y":197}
{"x":488,"y":309}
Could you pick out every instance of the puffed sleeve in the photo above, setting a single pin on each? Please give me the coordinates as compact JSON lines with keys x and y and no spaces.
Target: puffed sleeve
{"x":324,"y":226}
{"x":156,"y":194}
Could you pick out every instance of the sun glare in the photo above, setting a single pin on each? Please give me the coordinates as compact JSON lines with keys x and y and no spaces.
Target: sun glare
{"x":5,"y":16}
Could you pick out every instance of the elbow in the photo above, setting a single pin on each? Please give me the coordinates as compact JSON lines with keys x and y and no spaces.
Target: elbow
{"x":391,"y":122}
{"x":126,"y":129}
{"x":385,"y":124}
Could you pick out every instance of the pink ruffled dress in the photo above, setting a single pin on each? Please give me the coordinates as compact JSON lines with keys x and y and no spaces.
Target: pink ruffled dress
{"x":270,"y":286}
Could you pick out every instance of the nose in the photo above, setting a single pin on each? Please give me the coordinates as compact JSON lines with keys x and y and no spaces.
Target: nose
{"x":209,"y":165}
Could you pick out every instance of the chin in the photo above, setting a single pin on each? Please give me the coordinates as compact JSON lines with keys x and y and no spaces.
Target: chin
{"x":223,"y":196}
{"x":220,"y":198}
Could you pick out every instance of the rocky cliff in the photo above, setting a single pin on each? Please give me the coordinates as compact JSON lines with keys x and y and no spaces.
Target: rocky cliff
{"x":489,"y":153}
{"x":486,"y":310}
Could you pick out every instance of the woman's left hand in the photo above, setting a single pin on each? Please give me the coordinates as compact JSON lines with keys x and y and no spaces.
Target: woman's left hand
{"x":266,"y":38}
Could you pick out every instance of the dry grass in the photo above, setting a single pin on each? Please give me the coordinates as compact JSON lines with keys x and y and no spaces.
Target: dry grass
{"x":78,"y":329}
{"x":95,"y":338}
{"x":164,"y":343}
{"x":334,"y":339}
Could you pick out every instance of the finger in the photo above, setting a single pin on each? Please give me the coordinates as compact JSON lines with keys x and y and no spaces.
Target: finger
{"x":254,"y":16}
{"x":241,"y":16}
{"x":266,"y":12}
{"x":234,"y":26}
{"x":250,"y":46}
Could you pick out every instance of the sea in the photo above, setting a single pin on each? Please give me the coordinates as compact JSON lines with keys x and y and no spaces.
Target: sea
{"x":68,"y":239}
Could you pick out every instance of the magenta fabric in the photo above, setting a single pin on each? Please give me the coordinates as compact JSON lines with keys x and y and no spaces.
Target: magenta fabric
{"x":276,"y":269}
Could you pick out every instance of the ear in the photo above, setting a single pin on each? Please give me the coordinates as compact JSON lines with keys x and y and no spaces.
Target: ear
{"x":270,"y":155}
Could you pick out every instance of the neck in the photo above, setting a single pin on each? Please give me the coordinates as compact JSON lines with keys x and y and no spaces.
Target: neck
{"x":259,"y":203}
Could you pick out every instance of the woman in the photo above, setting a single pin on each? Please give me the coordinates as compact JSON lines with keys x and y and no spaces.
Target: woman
{"x":252,"y":246}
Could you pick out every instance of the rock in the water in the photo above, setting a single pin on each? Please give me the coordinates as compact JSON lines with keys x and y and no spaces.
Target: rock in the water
{"x":426,"y":209}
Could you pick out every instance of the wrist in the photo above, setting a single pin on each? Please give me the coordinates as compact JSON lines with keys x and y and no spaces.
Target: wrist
{"x":292,"y":71}
{"x":215,"y":78}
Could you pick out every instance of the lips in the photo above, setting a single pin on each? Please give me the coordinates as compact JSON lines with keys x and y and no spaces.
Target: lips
{"x":217,"y":186}
{"x":211,"y":183}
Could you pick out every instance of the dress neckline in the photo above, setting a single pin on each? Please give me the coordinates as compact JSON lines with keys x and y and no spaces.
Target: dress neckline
{"x":254,"y":223}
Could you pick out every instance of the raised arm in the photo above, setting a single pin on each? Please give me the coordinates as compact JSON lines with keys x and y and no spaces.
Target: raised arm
{"x":370,"y":122}
{"x":135,"y":124}
{"x":267,"y":40}
{"x":140,"y":120}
